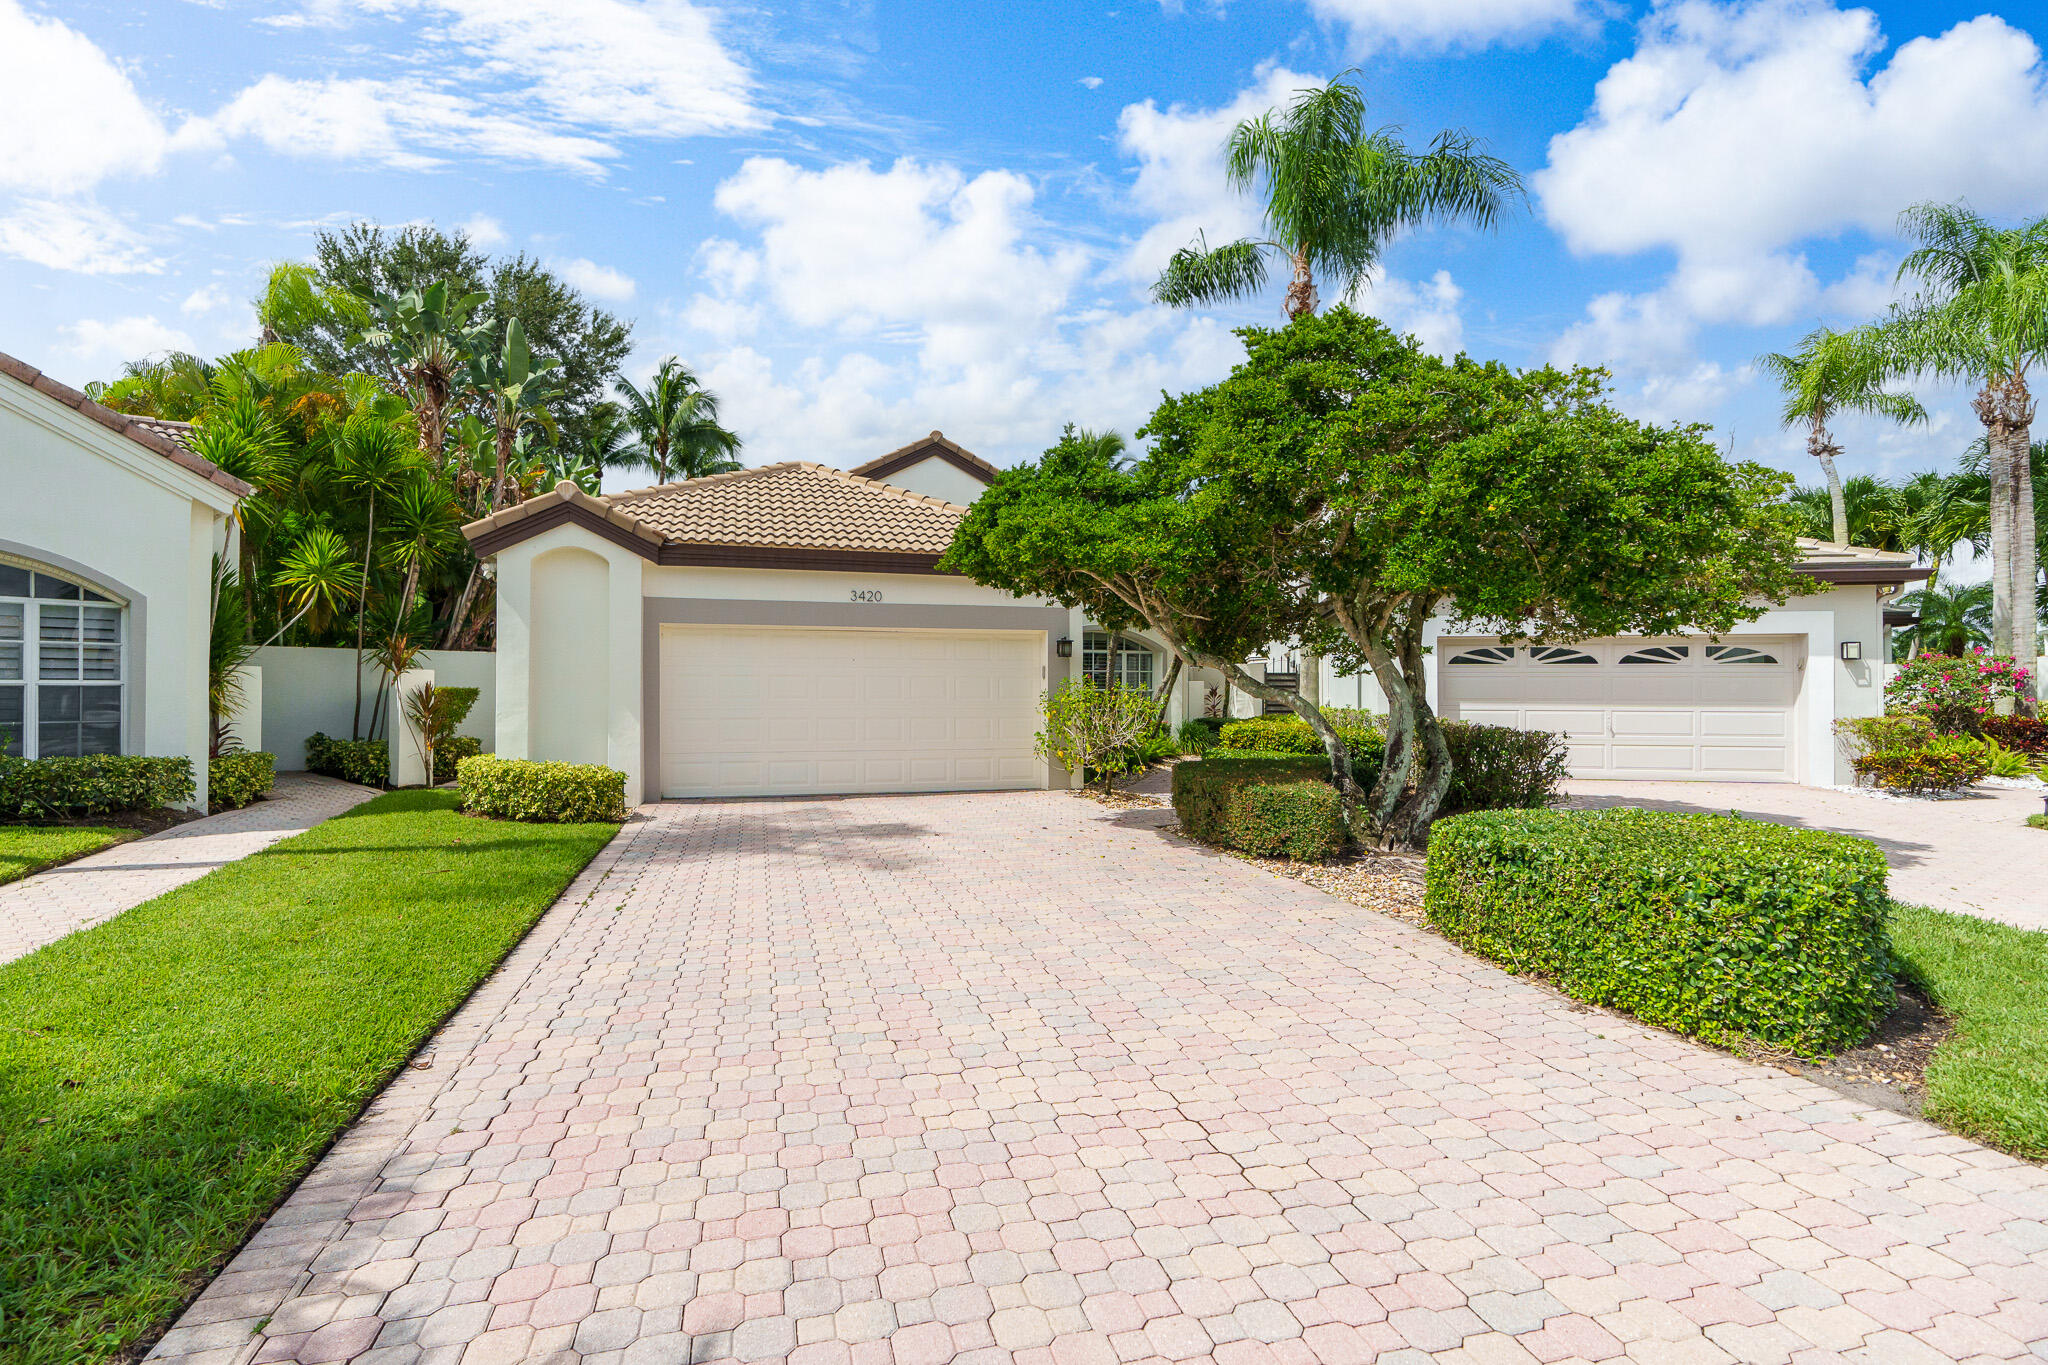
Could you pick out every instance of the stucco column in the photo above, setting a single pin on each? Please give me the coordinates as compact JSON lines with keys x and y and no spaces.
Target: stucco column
{"x":515,"y":638}
{"x":623,"y":721}
{"x":408,"y":753}
{"x":196,"y":632}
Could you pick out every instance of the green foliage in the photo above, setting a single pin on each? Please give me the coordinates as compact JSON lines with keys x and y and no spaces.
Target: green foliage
{"x":1199,"y":735}
{"x":1990,"y":1079}
{"x":1264,"y":804}
{"x":1288,"y":735}
{"x":2037,"y":822}
{"x":1944,"y":763}
{"x":96,"y":784}
{"x":1095,"y":729}
{"x":1497,"y":767}
{"x":2000,"y":761}
{"x":1893,"y":730}
{"x":29,"y":848}
{"x":1954,"y":692}
{"x":235,"y":779}
{"x":2026,"y":734}
{"x":520,"y":789}
{"x":366,"y":761}
{"x":450,"y":752}
{"x":1719,"y":927}
{"x":172,"y":1073}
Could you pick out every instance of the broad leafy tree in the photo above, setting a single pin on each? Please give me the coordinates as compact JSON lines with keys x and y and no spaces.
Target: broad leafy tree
{"x":1334,"y":193}
{"x":1832,"y":373}
{"x":1981,"y":315}
{"x":1343,"y":487}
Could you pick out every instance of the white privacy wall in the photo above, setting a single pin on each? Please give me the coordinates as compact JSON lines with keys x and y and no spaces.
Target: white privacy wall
{"x":305,"y":690}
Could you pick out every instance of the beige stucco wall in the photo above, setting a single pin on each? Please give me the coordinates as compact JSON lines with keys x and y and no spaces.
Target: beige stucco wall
{"x":144,"y":530}
{"x":935,"y":478}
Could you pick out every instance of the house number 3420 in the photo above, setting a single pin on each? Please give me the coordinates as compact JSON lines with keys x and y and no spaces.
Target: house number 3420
{"x":867,"y":595}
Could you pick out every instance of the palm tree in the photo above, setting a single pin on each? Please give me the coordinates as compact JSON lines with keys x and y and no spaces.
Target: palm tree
{"x":176,"y":387}
{"x":512,"y":382}
{"x":1942,"y":512}
{"x":1335,"y":195}
{"x":1835,"y":372}
{"x":1953,"y":619}
{"x":1982,"y":315}
{"x":428,"y":342}
{"x":1873,"y":512}
{"x":318,"y":574}
{"x":605,"y":443}
{"x":677,"y":421}
{"x":371,"y":457}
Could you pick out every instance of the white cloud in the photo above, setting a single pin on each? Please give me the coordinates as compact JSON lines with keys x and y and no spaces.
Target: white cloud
{"x":1739,"y":130}
{"x":484,"y":232}
{"x":204,"y":299}
{"x":71,"y":235}
{"x":405,"y":125}
{"x":1180,"y":183}
{"x":104,"y":345}
{"x":1428,"y":310}
{"x":598,"y":281}
{"x":71,"y":116}
{"x":1090,"y":82}
{"x":1453,"y":23}
{"x":918,"y":252}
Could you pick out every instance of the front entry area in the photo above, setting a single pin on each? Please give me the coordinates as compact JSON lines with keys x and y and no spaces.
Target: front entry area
{"x":1639,"y":708}
{"x":777,"y":711}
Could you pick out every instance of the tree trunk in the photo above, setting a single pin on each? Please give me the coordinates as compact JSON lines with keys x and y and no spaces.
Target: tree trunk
{"x":355,"y":722}
{"x":1311,"y":666}
{"x":459,"y":616}
{"x":1301,"y":290}
{"x":473,"y":629}
{"x":1165,"y":694}
{"x":1406,"y":798}
{"x":2006,"y":409}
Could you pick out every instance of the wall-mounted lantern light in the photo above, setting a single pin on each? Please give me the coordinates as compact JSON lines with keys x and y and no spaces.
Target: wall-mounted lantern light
{"x":1065,"y":648}
{"x":1852,"y":650}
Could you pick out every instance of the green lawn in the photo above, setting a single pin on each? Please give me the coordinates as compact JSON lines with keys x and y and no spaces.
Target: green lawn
{"x":166,"y":1076}
{"x":25,"y":849}
{"x":1990,"y":1080}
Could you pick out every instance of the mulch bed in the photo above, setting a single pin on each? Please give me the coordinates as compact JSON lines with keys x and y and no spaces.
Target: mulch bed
{"x":140,"y":821}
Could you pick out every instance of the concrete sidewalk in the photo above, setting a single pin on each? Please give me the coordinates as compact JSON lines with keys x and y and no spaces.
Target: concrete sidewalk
{"x":46,"y":906}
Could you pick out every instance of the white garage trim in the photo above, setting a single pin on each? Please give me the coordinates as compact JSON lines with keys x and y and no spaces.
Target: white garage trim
{"x":750,"y":710}
{"x":1662,"y":707}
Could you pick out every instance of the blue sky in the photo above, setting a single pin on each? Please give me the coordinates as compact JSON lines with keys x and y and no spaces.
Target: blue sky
{"x":864,"y":221}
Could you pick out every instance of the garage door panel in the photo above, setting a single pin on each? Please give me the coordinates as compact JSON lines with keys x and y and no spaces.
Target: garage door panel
{"x":765,"y":711}
{"x":1686,"y":714}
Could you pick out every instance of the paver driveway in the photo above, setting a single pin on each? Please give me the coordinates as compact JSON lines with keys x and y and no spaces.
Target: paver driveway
{"x":1012,"y":1077}
{"x":1974,"y":855}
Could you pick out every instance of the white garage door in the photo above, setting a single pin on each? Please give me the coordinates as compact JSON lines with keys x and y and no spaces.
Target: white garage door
{"x":761,"y":711}
{"x":1676,"y":708}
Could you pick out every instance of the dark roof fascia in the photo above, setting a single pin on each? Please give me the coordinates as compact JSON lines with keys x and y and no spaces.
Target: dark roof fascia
{"x":1865,"y":573}
{"x":903,"y":459}
{"x":492,"y":539}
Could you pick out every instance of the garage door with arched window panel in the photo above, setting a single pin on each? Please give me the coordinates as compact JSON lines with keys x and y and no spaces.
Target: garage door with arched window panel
{"x":1644,"y":708}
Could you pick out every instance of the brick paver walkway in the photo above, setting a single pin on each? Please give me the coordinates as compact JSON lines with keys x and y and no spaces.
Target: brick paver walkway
{"x":1974,"y":855}
{"x":44,"y":907}
{"x":1014,"y":1078}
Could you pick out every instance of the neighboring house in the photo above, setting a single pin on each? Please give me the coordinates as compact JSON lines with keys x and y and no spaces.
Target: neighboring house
{"x":108,"y":530}
{"x":783,"y":631}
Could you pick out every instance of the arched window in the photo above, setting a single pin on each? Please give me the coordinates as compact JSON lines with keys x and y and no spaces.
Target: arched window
{"x":63,"y":664}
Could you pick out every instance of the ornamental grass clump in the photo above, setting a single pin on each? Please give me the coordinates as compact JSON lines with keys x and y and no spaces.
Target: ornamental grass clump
{"x":1722,"y":928}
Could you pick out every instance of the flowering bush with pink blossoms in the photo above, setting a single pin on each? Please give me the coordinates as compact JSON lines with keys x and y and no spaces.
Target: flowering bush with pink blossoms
{"x":1955,"y":692}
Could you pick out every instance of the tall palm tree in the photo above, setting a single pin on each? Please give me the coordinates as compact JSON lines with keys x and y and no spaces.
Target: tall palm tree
{"x":1335,"y":194}
{"x":1874,"y":512}
{"x":1830,"y":373}
{"x":677,"y":421}
{"x":1981,"y":314}
{"x":427,"y":341}
{"x":371,"y":457}
{"x":1953,"y":619}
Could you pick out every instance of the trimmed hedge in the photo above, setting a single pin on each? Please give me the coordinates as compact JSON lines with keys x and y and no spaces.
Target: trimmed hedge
{"x":352,"y":760}
{"x":234,"y":780}
{"x":520,"y":789}
{"x":1497,"y":767}
{"x":1263,"y":804}
{"x":1715,"y":926}
{"x":451,"y":751}
{"x":1291,"y":735}
{"x":96,"y":784}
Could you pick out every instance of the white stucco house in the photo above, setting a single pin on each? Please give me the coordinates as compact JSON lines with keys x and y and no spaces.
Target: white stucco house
{"x":108,"y":529}
{"x":783,"y":630}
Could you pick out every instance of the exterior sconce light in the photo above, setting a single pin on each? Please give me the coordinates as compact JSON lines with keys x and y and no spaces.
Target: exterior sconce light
{"x":1852,"y":650}
{"x":1065,"y":647}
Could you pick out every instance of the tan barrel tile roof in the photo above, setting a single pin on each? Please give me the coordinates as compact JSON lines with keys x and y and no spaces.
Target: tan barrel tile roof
{"x":168,"y":439}
{"x":797,"y":505}
{"x":934,"y":445}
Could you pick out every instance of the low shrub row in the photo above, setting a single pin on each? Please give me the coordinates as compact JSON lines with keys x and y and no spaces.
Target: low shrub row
{"x":1715,"y":926}
{"x":520,"y":789}
{"x":366,"y":761}
{"x":450,"y":751}
{"x":2025,"y":734}
{"x":1268,"y":805}
{"x":234,"y":780}
{"x":97,"y":784}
